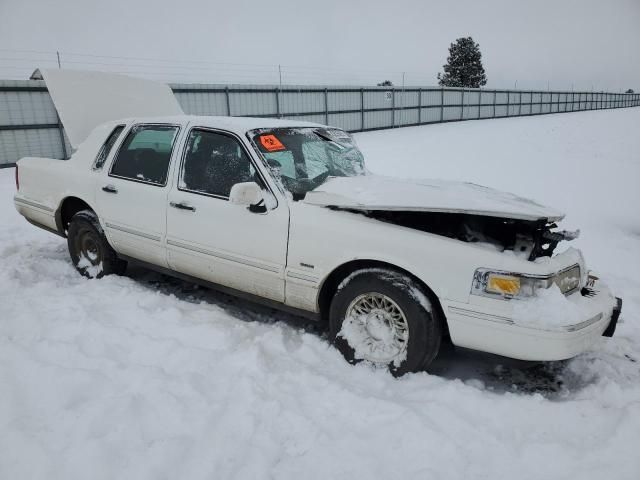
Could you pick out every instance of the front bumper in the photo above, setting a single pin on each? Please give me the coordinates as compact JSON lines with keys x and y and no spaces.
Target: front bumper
{"x":481,"y":327}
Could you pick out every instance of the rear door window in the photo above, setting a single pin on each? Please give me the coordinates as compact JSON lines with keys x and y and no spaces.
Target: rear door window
{"x":145,"y":154}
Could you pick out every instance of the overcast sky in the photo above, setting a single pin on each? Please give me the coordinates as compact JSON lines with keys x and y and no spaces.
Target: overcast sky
{"x":588,"y":43}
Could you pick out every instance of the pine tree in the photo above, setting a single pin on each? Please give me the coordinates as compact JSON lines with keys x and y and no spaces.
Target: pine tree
{"x":464,"y":65}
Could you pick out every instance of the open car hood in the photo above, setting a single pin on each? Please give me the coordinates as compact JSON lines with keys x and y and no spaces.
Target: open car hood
{"x":373,"y":192}
{"x":85,"y":100}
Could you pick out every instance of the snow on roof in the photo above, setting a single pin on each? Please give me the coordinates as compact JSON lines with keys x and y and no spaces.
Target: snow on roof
{"x":239,"y":125}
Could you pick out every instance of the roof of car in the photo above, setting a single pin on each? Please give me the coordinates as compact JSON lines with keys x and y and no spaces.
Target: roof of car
{"x":238,"y":125}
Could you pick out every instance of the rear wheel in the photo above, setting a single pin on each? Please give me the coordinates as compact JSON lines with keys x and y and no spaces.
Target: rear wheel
{"x":90,"y":252}
{"x":383,"y":317}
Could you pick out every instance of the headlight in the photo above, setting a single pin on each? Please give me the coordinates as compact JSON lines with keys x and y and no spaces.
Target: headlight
{"x":491,"y":283}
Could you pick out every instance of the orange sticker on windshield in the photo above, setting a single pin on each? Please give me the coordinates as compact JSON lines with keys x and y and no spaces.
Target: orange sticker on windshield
{"x":271,"y":143}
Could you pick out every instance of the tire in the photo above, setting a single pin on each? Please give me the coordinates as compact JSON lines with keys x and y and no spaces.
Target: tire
{"x":387,"y":303}
{"x":89,"y":249}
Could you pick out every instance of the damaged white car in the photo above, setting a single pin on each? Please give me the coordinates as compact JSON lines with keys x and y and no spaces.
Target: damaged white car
{"x":285,"y":212}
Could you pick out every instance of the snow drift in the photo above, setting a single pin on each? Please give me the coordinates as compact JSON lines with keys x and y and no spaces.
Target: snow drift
{"x":145,"y":377}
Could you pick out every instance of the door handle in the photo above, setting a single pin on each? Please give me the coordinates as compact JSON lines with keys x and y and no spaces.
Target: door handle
{"x":183,"y":206}
{"x":109,"y":189}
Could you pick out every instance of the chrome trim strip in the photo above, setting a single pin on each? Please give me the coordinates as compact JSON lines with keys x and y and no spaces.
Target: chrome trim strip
{"x":224,"y":256}
{"x":155,"y":238}
{"x":302,"y":276}
{"x":585,"y":324}
{"x":481,"y":316}
{"x":30,"y":203}
{"x":509,"y":321}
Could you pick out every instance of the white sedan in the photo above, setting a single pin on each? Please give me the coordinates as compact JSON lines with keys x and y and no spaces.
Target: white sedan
{"x":285,"y":212}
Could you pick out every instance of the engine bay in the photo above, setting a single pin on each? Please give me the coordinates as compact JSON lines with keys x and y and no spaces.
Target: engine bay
{"x":526,"y":239}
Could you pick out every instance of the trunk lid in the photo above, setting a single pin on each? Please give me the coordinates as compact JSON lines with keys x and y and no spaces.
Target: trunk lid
{"x":85,"y":100}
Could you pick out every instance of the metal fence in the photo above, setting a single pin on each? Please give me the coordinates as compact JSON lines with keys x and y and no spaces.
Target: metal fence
{"x":29,"y":124}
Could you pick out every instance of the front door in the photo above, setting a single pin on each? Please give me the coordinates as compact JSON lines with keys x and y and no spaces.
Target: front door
{"x":209,"y":237}
{"x":132,"y":195}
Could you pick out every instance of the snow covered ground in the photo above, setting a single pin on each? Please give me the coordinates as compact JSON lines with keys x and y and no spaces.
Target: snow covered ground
{"x":145,"y":377}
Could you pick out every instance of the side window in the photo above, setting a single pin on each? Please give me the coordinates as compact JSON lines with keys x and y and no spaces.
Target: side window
{"x":145,"y":154}
{"x":106,"y":148}
{"x":214,"y":163}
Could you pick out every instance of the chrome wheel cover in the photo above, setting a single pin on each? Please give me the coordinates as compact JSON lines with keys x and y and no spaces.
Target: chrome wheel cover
{"x":377,"y":329}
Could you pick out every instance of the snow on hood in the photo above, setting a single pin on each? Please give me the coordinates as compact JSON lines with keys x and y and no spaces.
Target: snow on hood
{"x":373,"y":192}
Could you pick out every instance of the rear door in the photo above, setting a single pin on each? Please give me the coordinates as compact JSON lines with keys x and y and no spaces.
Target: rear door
{"x":132,"y":194}
{"x":211,"y":238}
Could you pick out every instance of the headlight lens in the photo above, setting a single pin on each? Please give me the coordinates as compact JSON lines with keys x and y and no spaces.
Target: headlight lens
{"x":506,"y":285}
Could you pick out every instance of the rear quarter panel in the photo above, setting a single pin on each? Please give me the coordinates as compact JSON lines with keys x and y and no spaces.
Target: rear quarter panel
{"x":46,"y":182}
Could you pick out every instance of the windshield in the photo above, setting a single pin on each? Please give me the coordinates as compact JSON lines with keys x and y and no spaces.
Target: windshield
{"x":304,"y":158}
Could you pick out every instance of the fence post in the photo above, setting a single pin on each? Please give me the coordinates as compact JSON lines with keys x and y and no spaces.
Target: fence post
{"x":442,"y":105}
{"x":540,"y":112}
{"x":226,"y":94}
{"x":326,"y":106}
{"x":462,"y":106}
{"x":494,"y":103}
{"x":520,"y":104}
{"x":479,"y":102}
{"x":393,"y":107}
{"x":419,"y":106}
{"x":508,"y":102}
{"x":573,"y":99}
{"x":362,"y":109}
{"x":278,"y":102}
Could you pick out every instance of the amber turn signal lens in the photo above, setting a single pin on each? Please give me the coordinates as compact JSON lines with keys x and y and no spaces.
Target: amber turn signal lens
{"x":503,"y":284}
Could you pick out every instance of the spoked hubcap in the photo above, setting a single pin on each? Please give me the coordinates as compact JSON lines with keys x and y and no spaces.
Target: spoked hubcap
{"x":378,"y":330}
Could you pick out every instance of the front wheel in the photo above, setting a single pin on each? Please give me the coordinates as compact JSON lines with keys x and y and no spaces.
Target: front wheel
{"x":90,"y":252}
{"x":384,"y":317}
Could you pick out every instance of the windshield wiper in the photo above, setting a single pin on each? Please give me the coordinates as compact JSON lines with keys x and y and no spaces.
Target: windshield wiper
{"x":327,"y":138}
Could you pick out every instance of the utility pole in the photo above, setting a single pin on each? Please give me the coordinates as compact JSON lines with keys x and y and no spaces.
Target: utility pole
{"x":65,"y":154}
{"x":280,"y":75}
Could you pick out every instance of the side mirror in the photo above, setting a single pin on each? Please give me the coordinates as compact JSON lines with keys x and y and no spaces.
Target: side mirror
{"x":248,"y":194}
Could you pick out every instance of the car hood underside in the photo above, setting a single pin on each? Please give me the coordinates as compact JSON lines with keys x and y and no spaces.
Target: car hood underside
{"x":379,"y":193}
